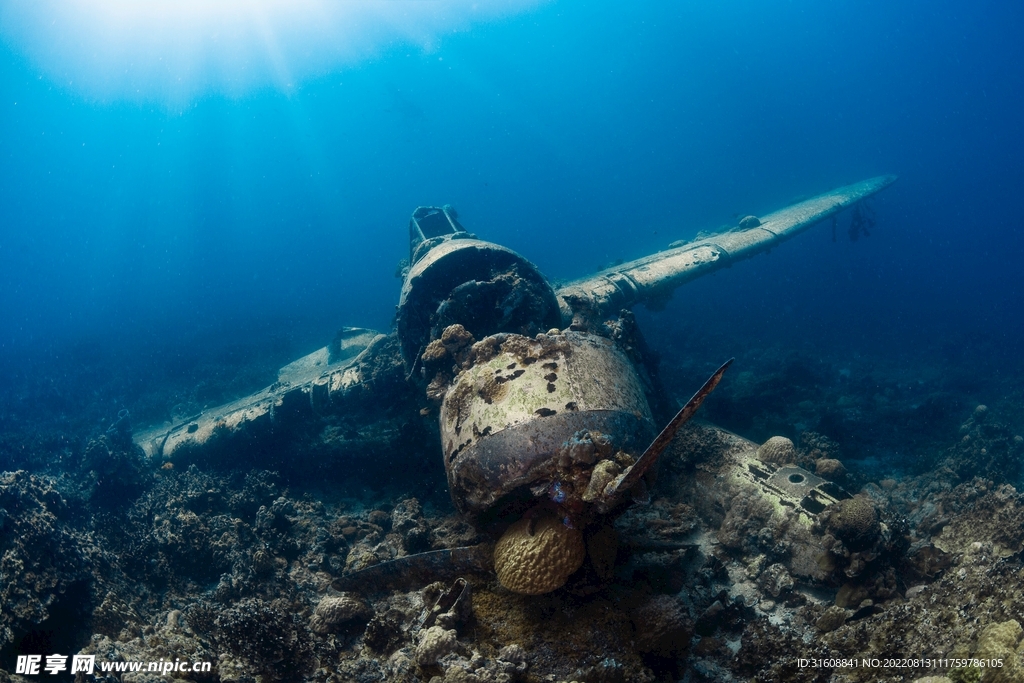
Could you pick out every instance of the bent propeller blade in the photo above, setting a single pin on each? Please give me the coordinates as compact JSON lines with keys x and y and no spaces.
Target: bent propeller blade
{"x":661,"y":442}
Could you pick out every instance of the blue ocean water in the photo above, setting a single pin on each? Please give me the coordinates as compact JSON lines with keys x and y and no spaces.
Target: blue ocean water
{"x":193,"y":194}
{"x":197,"y":186}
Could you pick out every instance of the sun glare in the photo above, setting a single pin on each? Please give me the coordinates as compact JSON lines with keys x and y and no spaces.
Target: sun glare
{"x":175,"y":50}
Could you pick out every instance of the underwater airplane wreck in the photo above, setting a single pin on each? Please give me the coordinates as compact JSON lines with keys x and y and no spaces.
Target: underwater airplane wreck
{"x":548,"y":411}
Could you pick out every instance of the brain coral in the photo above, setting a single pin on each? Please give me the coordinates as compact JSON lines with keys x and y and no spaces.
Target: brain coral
{"x":537,"y":556}
{"x":778,"y":450}
{"x":855,"y":522}
{"x":829,"y":468}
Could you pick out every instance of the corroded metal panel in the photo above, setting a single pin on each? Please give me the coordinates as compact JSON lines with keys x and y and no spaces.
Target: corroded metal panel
{"x":503,"y":420}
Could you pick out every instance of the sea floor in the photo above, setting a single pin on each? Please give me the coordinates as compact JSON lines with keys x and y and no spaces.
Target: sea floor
{"x":107,"y":554}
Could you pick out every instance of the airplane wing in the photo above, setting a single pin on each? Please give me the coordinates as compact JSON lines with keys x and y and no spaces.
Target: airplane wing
{"x":654,"y":277}
{"x":307,"y":385}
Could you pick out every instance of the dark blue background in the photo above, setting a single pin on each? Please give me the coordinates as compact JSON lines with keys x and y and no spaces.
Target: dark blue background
{"x":575,"y":133}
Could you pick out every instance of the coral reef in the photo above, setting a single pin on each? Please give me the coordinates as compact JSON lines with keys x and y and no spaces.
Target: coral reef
{"x":103,"y":552}
{"x":255,"y":598}
{"x":663,"y":626}
{"x":114,"y":468}
{"x":987,"y":448}
{"x":746,"y":520}
{"x":41,"y":558}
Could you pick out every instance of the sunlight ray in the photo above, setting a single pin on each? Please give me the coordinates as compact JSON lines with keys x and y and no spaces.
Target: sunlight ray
{"x":173,"y":51}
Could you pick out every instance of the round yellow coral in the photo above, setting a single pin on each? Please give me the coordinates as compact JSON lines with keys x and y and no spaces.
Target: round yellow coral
{"x":538,"y":555}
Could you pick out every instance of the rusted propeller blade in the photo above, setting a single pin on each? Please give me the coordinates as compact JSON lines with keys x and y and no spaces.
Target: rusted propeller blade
{"x":630,"y":477}
{"x":419,"y":569}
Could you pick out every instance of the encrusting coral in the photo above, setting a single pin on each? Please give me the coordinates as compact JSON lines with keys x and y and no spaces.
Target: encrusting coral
{"x":335,"y":610}
{"x":435,"y":643}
